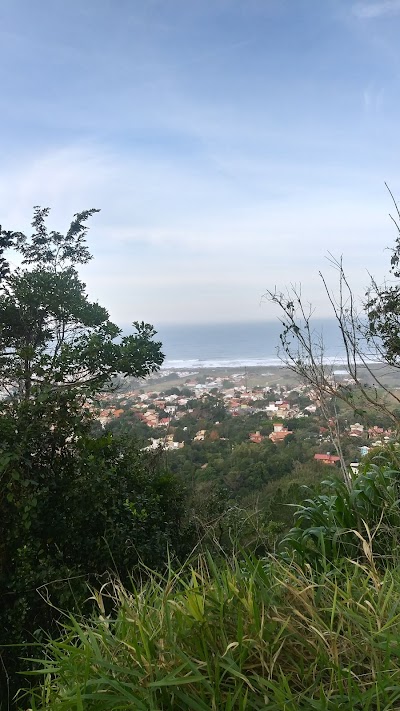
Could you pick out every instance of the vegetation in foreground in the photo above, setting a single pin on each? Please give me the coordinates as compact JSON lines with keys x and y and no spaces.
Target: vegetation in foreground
{"x":283,"y":632}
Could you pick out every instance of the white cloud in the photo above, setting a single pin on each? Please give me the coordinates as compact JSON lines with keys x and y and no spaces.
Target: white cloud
{"x":370,"y":10}
{"x":173,"y":243}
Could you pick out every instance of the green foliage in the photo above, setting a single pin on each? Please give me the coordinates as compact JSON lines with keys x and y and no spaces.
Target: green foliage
{"x":238,"y":636}
{"x":243,"y":468}
{"x":210,"y":408}
{"x":73,"y":507}
{"x":349,"y":523}
{"x":52,"y":337}
{"x":382,"y":306}
{"x":223,"y":527}
{"x":387,"y":455}
{"x":129,"y":425}
{"x":73,"y":504}
{"x":279,"y":497}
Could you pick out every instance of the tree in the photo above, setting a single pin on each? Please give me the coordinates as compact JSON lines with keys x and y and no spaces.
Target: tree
{"x":52,"y":338}
{"x":73,"y":508}
{"x":370,"y":336}
{"x":211,"y":408}
{"x":72,"y":505}
{"x":383,"y":307}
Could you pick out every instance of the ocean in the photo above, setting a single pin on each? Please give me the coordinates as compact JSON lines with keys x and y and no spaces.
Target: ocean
{"x":231,"y":345}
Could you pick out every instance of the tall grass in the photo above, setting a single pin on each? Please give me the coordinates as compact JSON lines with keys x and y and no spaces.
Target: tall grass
{"x":317,"y":628}
{"x":242,"y":635}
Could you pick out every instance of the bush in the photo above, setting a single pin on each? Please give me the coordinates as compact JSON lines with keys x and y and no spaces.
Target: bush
{"x":341,"y":522}
{"x":73,"y":507}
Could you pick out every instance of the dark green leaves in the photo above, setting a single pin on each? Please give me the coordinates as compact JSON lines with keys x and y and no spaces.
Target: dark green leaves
{"x":52,"y":249}
{"x":51,"y":335}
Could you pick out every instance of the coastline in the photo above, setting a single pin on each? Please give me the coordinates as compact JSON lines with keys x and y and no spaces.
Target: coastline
{"x":252,"y":373}
{"x":231,"y":363}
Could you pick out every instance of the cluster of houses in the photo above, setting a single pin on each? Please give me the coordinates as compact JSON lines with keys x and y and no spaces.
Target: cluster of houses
{"x":151,"y":408}
{"x":377,"y":435}
{"x":158,"y":409}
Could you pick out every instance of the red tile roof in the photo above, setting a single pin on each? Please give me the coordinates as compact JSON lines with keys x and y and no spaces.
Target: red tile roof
{"x":327,"y":458}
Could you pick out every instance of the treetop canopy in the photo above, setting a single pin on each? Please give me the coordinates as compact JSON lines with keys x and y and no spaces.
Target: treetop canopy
{"x":51,"y":336}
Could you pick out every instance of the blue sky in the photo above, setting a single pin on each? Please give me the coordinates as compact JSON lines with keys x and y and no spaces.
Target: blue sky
{"x":230,"y":144}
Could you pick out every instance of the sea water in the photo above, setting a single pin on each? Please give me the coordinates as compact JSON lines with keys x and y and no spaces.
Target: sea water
{"x":230,"y":345}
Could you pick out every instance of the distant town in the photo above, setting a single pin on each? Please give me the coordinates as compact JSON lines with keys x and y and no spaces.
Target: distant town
{"x":163,"y":400}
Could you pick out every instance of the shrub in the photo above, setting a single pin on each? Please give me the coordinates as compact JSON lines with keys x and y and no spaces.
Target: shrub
{"x":72,"y":508}
{"x":336,"y":523}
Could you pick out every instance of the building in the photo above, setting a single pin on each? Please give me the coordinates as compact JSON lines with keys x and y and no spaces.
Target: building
{"x":330,"y":459}
{"x":164,"y":443}
{"x":356,"y":430}
{"x":279,"y":433}
{"x":256,"y":437}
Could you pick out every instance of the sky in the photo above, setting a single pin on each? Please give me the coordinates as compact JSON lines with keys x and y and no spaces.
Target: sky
{"x":231,"y":145}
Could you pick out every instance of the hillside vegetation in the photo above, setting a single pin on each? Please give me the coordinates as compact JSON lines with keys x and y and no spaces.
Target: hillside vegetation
{"x":316,"y":626}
